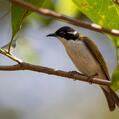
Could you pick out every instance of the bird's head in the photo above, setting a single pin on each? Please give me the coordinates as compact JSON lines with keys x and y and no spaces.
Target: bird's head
{"x":66,"y":33}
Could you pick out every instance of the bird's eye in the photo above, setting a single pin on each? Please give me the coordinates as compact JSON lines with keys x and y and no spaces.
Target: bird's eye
{"x":62,"y":33}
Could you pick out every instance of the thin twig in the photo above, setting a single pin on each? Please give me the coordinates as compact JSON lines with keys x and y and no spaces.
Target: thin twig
{"x":67,"y":19}
{"x":9,"y":55}
{"x":51,"y":71}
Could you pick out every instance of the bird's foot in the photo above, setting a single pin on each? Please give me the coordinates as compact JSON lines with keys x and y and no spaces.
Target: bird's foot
{"x":75,"y":72}
{"x":90,"y":78}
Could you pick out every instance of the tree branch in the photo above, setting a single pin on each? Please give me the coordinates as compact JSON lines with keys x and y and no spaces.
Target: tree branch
{"x":50,"y":13}
{"x":31,"y":67}
{"x":50,"y":71}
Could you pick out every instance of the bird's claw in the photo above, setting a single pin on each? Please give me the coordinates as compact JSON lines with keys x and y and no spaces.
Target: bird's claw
{"x":90,"y":78}
{"x":75,"y":72}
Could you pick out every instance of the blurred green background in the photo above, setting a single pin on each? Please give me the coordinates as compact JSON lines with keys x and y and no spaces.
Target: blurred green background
{"x":30,"y":95}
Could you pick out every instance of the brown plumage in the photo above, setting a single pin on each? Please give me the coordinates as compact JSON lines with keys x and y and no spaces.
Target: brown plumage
{"x":111,"y":96}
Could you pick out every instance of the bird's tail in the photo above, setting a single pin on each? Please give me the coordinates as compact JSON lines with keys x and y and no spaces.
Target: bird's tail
{"x":111,"y":97}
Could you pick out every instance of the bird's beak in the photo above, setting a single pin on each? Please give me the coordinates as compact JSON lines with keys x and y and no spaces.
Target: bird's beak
{"x":51,"y":35}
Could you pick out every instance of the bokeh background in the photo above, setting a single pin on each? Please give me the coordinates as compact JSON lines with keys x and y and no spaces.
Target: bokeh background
{"x":31,"y":95}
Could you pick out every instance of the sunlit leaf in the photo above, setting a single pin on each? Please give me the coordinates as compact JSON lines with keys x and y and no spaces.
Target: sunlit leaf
{"x":102,"y":12}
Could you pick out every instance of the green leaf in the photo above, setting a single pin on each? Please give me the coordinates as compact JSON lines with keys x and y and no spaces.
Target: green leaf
{"x":115,"y":80}
{"x":102,"y":12}
{"x":19,"y":14}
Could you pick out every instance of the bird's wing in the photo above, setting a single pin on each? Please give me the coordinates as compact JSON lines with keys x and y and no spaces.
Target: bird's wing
{"x":97,"y":54}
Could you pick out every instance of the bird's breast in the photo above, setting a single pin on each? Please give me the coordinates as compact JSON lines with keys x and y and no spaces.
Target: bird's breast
{"x":82,"y":57}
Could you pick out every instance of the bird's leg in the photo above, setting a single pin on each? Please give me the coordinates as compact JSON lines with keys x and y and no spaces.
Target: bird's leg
{"x":75,"y":72}
{"x":90,"y":78}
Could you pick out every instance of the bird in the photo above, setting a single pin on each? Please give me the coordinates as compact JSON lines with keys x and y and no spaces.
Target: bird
{"x":87,"y":58}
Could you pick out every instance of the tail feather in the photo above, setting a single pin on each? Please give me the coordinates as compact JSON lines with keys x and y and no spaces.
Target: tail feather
{"x":111,"y":97}
{"x":115,"y":97}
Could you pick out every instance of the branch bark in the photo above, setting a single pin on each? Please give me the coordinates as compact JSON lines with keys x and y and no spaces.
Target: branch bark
{"x":67,"y":19}
{"x":51,"y":71}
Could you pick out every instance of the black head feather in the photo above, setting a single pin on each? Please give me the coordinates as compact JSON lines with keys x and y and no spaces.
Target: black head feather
{"x":68,"y":33}
{"x":65,"y":32}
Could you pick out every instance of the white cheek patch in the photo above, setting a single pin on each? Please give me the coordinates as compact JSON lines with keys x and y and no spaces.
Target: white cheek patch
{"x":75,"y":32}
